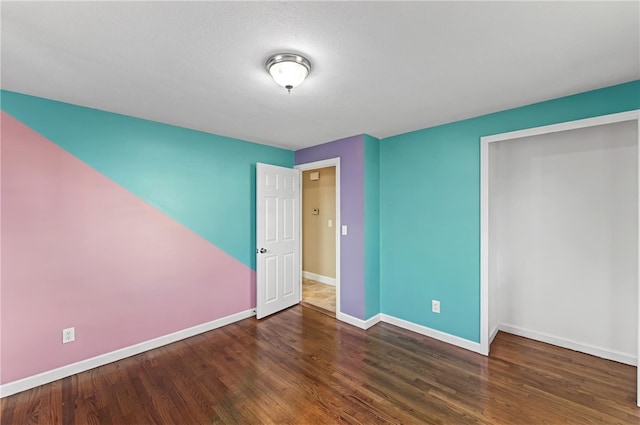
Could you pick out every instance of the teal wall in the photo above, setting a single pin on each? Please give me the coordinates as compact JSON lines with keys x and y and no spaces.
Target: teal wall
{"x":372,"y":225}
{"x":430,"y":208}
{"x":204,"y":181}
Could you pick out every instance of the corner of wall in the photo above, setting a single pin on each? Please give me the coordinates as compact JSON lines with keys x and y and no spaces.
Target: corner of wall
{"x":372,"y":225}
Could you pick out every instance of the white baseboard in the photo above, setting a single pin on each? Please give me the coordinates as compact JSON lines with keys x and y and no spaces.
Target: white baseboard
{"x":432,"y":333}
{"x":423,"y":330}
{"x":83,"y":365}
{"x":319,"y":278}
{"x":605,"y":353}
{"x":493,"y":333}
{"x":362,"y":324}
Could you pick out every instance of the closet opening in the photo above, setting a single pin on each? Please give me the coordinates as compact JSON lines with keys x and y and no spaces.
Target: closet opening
{"x":559,"y":236}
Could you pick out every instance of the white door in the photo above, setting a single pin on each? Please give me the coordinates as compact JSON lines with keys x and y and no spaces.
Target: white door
{"x":277,"y":239}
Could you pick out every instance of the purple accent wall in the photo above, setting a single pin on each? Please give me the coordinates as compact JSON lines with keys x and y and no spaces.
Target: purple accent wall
{"x":351,"y":153}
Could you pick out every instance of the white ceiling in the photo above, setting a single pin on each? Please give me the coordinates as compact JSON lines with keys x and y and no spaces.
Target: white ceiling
{"x":381,"y":68}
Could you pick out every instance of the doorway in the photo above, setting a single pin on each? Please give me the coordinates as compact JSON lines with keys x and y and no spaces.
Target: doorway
{"x":320,"y":222}
{"x":526,"y":186}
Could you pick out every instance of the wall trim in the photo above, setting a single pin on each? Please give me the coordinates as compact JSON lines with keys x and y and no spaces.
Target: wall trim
{"x":564,"y":126}
{"x":33,"y":381}
{"x":413,"y":327}
{"x":359,"y":323}
{"x":319,"y":278}
{"x":493,"y":333}
{"x":605,"y":353}
{"x":432,"y":333}
{"x":638,"y":350}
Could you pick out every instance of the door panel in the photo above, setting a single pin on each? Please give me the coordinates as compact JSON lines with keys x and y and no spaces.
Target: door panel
{"x":277,"y":238}
{"x":289,"y":219}
{"x":289,"y":274}
{"x":271,"y":278}
{"x":271,"y":219}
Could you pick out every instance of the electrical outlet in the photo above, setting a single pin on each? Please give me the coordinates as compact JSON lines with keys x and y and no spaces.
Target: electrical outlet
{"x":435,"y":306}
{"x":68,"y":335}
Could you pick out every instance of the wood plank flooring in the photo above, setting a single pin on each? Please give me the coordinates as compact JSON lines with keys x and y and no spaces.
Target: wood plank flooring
{"x":303,"y":367}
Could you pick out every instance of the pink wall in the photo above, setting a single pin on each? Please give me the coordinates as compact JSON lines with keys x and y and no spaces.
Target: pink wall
{"x":79,"y":250}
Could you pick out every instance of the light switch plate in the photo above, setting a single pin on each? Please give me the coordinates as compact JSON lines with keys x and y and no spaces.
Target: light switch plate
{"x":344,"y":229}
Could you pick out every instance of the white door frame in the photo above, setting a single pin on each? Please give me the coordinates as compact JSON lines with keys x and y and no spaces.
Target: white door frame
{"x":485,"y":331}
{"x":331,"y":162}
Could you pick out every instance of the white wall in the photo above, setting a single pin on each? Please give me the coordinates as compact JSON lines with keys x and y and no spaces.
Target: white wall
{"x":563,"y":221}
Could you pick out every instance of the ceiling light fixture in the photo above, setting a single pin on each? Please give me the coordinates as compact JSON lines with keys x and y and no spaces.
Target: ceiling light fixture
{"x":288,"y":70}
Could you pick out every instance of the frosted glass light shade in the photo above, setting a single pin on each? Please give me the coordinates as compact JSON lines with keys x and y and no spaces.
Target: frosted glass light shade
{"x":288,"y":70}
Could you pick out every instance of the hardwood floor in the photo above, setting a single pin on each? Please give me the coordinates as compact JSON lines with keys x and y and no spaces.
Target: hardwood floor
{"x":319,"y":295}
{"x":303,"y":367}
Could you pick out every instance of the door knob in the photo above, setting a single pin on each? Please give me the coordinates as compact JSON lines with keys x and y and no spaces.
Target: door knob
{"x":262,"y":250}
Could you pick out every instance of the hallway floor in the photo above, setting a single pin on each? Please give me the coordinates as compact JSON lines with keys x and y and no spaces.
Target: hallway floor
{"x":319,"y":294}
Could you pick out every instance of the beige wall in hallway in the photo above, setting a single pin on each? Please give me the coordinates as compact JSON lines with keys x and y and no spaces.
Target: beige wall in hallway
{"x":319,"y":240}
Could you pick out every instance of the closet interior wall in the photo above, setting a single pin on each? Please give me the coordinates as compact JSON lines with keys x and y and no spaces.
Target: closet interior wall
{"x":563,"y":252}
